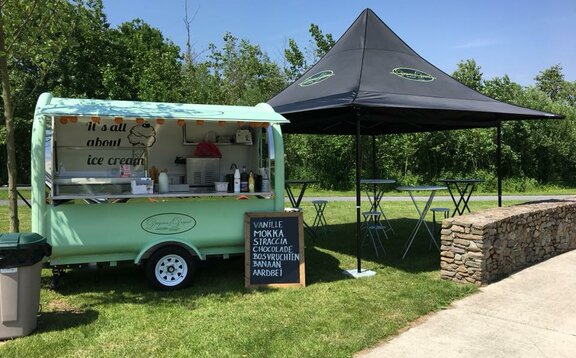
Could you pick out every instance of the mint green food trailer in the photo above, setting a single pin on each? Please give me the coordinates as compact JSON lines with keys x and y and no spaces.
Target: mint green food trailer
{"x":148,"y":182}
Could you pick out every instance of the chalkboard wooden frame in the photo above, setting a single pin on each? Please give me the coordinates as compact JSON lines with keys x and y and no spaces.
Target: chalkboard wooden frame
{"x":301,"y":282}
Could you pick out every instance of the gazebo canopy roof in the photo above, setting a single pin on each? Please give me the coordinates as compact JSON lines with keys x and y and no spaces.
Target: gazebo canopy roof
{"x":372,"y":75}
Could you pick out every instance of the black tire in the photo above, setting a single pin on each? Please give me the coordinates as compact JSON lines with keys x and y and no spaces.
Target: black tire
{"x":170,"y":268}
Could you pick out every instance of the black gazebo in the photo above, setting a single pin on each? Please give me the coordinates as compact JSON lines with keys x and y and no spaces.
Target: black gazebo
{"x":371,"y":82}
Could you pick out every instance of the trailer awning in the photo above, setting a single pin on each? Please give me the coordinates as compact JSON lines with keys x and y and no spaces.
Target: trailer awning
{"x":262,"y":112}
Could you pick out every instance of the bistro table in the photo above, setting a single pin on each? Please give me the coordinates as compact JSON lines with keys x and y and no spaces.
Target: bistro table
{"x":289,"y":183}
{"x":295,"y":201}
{"x":421,"y":213}
{"x":463,"y":188}
{"x":374,"y":189}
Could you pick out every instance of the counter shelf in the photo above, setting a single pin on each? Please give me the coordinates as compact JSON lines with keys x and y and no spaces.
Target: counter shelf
{"x":174,"y":194}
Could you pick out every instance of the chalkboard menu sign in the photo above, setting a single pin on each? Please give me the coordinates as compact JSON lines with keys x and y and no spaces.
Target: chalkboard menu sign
{"x":274,"y":249}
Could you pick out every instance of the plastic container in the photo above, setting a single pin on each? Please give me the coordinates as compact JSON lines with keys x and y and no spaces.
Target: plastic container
{"x":163,"y":183}
{"x":221,"y":186}
{"x":265,"y":180}
{"x":20,"y":272}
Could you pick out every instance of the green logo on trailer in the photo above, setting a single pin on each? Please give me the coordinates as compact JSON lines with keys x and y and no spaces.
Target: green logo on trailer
{"x":168,"y":224}
{"x":317,"y":78}
{"x":412,"y":74}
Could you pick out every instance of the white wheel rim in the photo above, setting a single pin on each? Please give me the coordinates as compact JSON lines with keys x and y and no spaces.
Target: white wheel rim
{"x":171,"y":270}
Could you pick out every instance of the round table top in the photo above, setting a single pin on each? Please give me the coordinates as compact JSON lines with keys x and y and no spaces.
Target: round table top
{"x":421,"y":188}
{"x":299,"y":181}
{"x":377,"y":181}
{"x":451,"y":180}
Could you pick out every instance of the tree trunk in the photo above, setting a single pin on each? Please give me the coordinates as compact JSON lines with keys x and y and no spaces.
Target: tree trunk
{"x":8,"y":117}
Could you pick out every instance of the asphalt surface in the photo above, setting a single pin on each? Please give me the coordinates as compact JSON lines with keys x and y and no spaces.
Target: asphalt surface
{"x":532,"y":313}
{"x":438,"y":198}
{"x":448,"y":198}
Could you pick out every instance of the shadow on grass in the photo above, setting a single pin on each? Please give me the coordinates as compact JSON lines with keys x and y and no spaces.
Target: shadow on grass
{"x":62,"y":320}
{"x":225,"y":278}
{"x":341,"y":238}
{"x":214,"y":277}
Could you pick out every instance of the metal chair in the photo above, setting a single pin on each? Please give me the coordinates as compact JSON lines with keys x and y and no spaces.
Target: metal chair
{"x":371,"y":229}
{"x":320,"y":223}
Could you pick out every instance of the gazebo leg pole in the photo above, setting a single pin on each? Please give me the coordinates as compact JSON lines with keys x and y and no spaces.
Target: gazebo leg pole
{"x":374,"y":168}
{"x":358,"y":233}
{"x":499,"y":161}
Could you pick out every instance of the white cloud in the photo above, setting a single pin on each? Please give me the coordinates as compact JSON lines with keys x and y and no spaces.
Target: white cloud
{"x":480,"y":43}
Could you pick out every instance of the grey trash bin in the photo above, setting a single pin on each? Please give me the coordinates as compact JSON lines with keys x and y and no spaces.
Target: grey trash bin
{"x":20,"y":272}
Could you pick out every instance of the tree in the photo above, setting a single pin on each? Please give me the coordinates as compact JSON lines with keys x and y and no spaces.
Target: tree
{"x":502,"y":89}
{"x":323,"y":43}
{"x":241,"y":73}
{"x":56,"y":49}
{"x":296,"y":60}
{"x":46,"y":44}
{"x":143,"y":65}
{"x":551,"y":81}
{"x":9,"y":126}
{"x":21,"y":15}
{"x":468,"y":73}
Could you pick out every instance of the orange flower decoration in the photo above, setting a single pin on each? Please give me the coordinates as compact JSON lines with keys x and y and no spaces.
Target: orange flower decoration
{"x":160,"y":121}
{"x":139,"y":120}
{"x":118,"y":120}
{"x":73,"y":119}
{"x":199,"y":122}
{"x":95,"y":120}
{"x":180,"y":122}
{"x":221,"y":123}
{"x":63,"y":120}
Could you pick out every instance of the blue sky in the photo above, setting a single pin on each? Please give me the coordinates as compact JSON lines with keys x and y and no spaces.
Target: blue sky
{"x":514,"y":37}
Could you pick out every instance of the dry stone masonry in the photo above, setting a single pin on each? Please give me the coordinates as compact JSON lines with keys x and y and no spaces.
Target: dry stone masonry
{"x":488,"y":245}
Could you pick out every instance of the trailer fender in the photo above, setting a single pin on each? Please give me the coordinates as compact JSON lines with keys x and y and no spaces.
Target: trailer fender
{"x":153,"y":246}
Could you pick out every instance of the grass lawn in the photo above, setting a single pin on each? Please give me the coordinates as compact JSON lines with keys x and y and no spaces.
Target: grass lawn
{"x":112,"y":313}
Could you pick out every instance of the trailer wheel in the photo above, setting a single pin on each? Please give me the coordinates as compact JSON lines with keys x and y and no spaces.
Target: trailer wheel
{"x":170,"y":268}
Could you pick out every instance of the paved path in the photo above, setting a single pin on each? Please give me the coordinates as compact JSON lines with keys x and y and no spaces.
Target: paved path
{"x":419,"y":198}
{"x":529,"y":314}
{"x":448,"y":198}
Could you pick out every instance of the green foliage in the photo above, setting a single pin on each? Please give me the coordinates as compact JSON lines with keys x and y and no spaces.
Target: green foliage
{"x":551,"y":81}
{"x":296,"y":61}
{"x":502,"y":89}
{"x":242,"y":73}
{"x":148,"y":66}
{"x":323,"y":42}
{"x":68,"y":48}
{"x":468,"y":73}
{"x":329,"y":160}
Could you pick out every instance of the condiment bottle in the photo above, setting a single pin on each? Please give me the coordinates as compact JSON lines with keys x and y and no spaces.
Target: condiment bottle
{"x":237,"y":181}
{"x":251,"y":186}
{"x":244,"y":180}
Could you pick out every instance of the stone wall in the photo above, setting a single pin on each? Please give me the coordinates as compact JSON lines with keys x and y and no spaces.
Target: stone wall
{"x":488,"y":245}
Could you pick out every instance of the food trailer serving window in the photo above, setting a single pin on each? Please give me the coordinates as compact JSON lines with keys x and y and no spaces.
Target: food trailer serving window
{"x":108,"y":148}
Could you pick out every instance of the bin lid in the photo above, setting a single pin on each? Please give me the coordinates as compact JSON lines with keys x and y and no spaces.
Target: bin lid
{"x":16,"y":240}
